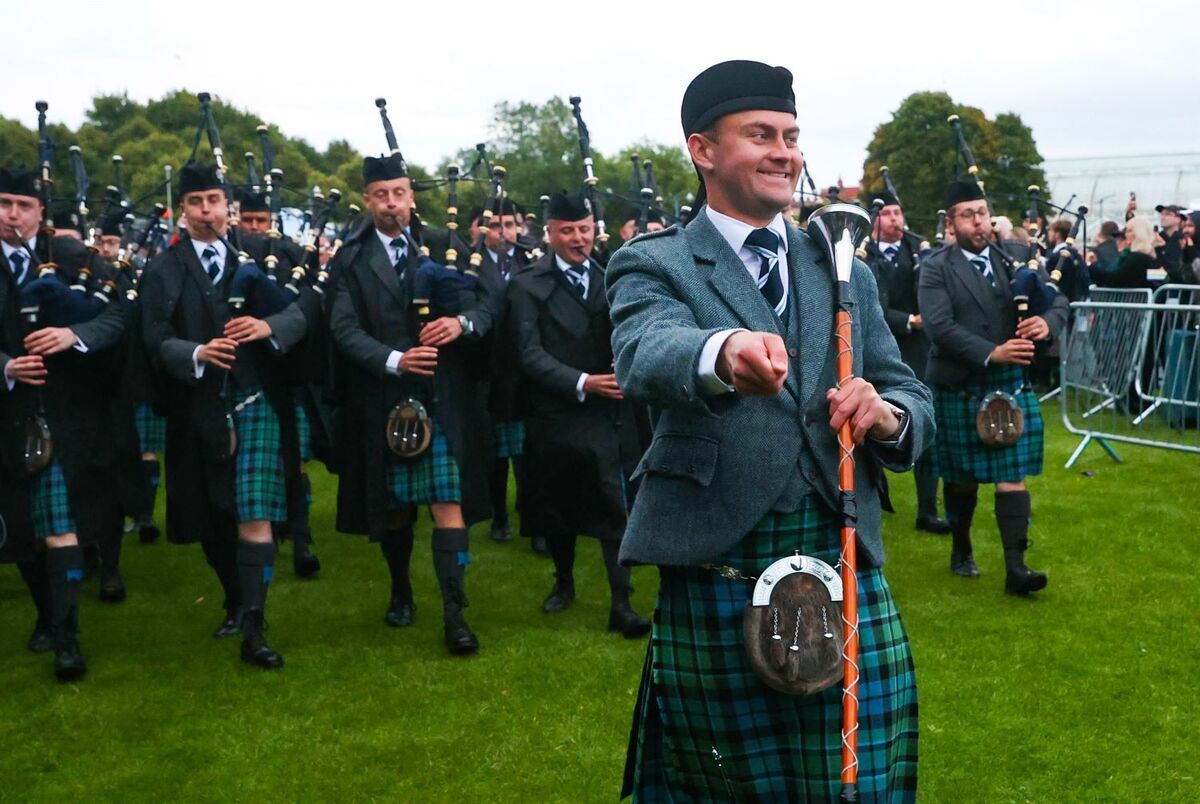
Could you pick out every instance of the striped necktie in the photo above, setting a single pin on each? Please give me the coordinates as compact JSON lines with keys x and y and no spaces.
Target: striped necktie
{"x":765,"y":244}
{"x":890,"y":251}
{"x":401,"y":252}
{"x":985,"y":268}
{"x":17,"y":259}
{"x":211,"y":264}
{"x":577,"y":274}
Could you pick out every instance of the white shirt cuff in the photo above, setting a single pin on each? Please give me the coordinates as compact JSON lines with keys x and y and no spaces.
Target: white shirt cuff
{"x":707,"y":381}
{"x":79,"y":345}
{"x":9,"y":381}
{"x":393,"y":362}
{"x":580,"y":394}
{"x":197,"y":366}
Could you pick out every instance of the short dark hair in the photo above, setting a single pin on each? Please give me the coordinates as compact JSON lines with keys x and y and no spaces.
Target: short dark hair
{"x":1061,"y":228}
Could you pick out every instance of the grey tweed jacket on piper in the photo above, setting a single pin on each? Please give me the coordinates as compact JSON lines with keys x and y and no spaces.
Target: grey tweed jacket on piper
{"x":717,"y":465}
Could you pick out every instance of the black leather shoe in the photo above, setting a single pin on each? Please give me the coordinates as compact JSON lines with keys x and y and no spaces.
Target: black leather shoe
{"x":559,"y":599}
{"x":230,"y":626}
{"x":112,"y":587}
{"x":42,"y":639}
{"x":933,"y":524}
{"x":1022,"y":580}
{"x":539,"y":546}
{"x":502,"y":534}
{"x":148,"y":532}
{"x":964,"y":566}
{"x":255,"y":649}
{"x":68,"y":661}
{"x":631,"y":625}
{"x":400,"y":614}
{"x":460,"y":640}
{"x":306,"y":564}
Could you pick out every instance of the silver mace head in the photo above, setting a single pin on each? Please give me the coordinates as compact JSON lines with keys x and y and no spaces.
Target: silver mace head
{"x":838,"y":229}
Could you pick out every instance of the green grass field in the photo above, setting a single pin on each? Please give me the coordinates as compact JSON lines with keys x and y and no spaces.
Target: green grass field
{"x":1086,"y":692}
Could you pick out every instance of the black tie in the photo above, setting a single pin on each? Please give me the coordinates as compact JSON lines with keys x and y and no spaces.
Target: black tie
{"x":985,"y":268}
{"x":576,"y":274}
{"x":17,"y":259}
{"x":210,"y":263}
{"x":765,"y":244}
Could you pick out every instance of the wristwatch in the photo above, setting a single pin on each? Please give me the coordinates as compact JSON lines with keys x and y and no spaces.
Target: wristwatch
{"x":902,"y":417}
{"x":465,"y":323}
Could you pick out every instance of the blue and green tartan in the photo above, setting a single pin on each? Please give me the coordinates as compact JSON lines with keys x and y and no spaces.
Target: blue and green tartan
{"x":51,"y":504}
{"x":151,"y":429}
{"x":304,"y":433}
{"x":959,"y":454}
{"x":259,"y":491}
{"x":510,"y":439}
{"x":430,"y":478}
{"x":704,"y":696}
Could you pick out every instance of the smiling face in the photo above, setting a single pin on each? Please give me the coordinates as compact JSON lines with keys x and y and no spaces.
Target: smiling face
{"x":572,"y":240}
{"x":750,"y":162}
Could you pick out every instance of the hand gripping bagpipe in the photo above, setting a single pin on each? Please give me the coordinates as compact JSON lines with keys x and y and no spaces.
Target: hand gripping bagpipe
{"x":590,"y":198}
{"x":1030,"y":292}
{"x":837,"y":228}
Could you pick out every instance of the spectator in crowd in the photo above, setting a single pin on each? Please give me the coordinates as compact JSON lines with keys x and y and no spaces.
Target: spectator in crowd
{"x":1003,"y":227}
{"x":1104,"y":255}
{"x":1191,"y":253}
{"x":1137,"y":256}
{"x":1169,"y":244}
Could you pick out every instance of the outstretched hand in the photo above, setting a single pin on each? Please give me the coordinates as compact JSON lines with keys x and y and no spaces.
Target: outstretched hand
{"x":754,"y":363}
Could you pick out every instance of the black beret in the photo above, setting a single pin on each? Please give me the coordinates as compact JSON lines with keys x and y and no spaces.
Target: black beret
{"x":384,"y":168}
{"x":110,"y":224}
{"x":250,"y":201}
{"x":735,"y":86}
{"x":503,"y":206}
{"x":566,"y":206}
{"x":196,"y":178}
{"x":887,"y":198}
{"x":961,"y":191}
{"x":19,"y":182}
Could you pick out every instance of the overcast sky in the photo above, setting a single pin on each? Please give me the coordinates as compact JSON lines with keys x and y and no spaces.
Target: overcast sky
{"x":1089,"y":80}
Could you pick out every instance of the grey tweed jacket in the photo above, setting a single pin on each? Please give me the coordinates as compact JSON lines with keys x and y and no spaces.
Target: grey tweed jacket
{"x":717,"y":465}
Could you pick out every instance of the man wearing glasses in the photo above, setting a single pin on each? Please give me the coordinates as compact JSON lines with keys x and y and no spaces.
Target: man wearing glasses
{"x":980,"y":347}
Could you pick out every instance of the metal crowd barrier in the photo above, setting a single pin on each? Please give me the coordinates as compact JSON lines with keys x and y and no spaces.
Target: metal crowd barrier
{"x":1131,"y":369}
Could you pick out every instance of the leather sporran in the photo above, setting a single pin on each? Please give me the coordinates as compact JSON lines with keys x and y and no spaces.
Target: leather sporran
{"x":39,"y":446}
{"x":793,"y":626}
{"x":999,"y":421}
{"x":409,"y":429}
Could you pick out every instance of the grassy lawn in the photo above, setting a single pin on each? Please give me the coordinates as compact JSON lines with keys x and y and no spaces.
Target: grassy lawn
{"x":1086,"y":692}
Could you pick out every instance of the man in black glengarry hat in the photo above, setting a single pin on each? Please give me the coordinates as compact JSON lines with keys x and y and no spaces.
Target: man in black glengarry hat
{"x":221,"y":374}
{"x":725,"y":328}
{"x":580,"y":437}
{"x":390,"y":360}
{"x":979,"y":347}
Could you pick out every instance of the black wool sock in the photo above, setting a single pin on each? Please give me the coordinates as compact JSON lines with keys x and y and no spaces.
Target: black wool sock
{"x":1013,"y":509}
{"x":562,"y":552}
{"x":34,"y":573}
{"x":220,"y":549}
{"x":960,"y":510}
{"x":256,"y":566}
{"x":64,"y":569}
{"x":450,"y":559}
{"x":397,"y":547}
{"x":498,"y":491}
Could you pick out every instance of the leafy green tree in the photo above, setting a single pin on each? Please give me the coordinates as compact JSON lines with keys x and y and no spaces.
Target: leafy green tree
{"x":919,"y":148}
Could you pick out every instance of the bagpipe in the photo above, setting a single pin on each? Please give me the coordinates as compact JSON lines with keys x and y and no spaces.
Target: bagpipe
{"x":54,"y":298}
{"x":590,"y":197}
{"x":1031,"y":293}
{"x":923,"y":246}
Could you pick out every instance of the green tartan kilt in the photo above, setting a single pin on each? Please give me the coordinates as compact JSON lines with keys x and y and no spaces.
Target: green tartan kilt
{"x":430,"y":478}
{"x":304,"y":433}
{"x":700,"y":694}
{"x":151,"y":429}
{"x":959,"y":454}
{"x":51,"y":504}
{"x":510,"y":439}
{"x":259,"y":491}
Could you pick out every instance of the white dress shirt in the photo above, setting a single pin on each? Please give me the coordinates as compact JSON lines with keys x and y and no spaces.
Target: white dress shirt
{"x":735,"y":233}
